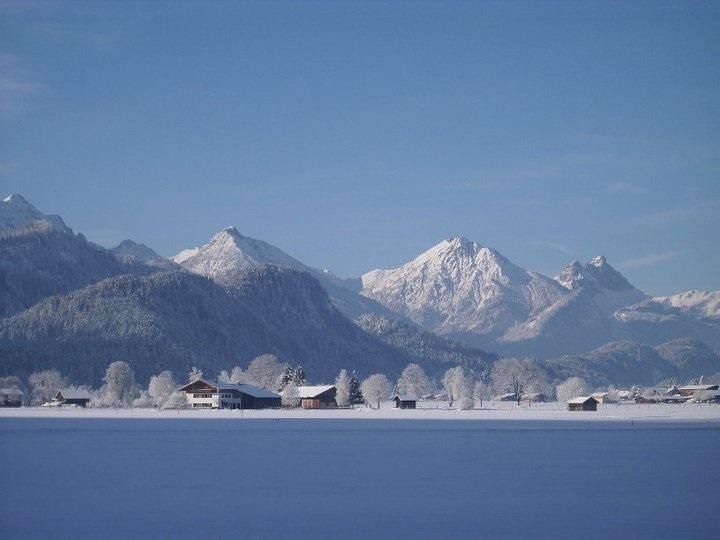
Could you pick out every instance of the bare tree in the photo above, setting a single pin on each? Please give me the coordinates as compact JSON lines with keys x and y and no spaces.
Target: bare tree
{"x":480,"y":392}
{"x":413,"y":381}
{"x":518,"y":376}
{"x":342,"y":389}
{"x":570,"y":388}
{"x":376,"y":388}
{"x":265,"y":372}
{"x":45,"y":384}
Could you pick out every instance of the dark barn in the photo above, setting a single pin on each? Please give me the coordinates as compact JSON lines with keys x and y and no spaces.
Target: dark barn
{"x":583,"y":404}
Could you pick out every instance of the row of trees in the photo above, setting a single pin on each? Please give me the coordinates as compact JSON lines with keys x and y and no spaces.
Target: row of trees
{"x":514,"y":376}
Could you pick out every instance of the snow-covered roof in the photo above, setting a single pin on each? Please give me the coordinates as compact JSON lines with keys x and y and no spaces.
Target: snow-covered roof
{"x":580,"y":400}
{"x":254,"y":391}
{"x":11,"y":392}
{"x":306,"y":392}
{"x":73,"y":393}
{"x":405,"y":397}
{"x":699,"y":387}
{"x":248,"y":389}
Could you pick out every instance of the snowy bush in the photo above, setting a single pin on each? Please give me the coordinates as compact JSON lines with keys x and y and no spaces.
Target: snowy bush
{"x":290,"y":396}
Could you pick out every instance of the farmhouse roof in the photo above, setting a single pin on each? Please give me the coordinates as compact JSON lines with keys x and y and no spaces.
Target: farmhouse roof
{"x":73,"y":393}
{"x":307,"y":392}
{"x":248,"y":389}
{"x":580,"y":400}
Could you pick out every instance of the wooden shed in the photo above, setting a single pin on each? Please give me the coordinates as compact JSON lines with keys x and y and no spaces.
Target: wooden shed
{"x":405,"y":402}
{"x":73,"y":396}
{"x":317,"y":396}
{"x":588,"y":403}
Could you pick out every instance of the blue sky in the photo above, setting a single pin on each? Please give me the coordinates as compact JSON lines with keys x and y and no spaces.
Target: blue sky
{"x":356,"y":135}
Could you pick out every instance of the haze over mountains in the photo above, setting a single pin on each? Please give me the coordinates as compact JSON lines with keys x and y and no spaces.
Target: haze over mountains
{"x":67,"y":303}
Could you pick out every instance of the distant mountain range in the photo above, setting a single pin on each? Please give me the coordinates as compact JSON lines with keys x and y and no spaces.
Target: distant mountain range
{"x":68,"y":303}
{"x":472,"y":293}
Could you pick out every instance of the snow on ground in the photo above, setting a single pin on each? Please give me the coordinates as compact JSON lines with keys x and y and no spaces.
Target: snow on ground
{"x":75,"y":476}
{"x":431,"y":410}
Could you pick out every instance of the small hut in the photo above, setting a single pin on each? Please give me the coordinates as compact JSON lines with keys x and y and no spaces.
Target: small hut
{"x":588,"y":403}
{"x":405,"y":401}
{"x":72,"y":396}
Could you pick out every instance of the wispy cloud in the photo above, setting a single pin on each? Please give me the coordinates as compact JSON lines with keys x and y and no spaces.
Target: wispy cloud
{"x":649,"y":260}
{"x":625,"y":188}
{"x":672,"y":215}
{"x":555,"y":246}
{"x":16,"y":87}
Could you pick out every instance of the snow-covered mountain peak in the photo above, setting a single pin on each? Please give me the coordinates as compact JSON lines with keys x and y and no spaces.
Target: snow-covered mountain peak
{"x":18,"y":200}
{"x":595,"y":274}
{"x":17,"y":213}
{"x":598,"y":262}
{"x":229,"y":252}
{"x":451,"y":286}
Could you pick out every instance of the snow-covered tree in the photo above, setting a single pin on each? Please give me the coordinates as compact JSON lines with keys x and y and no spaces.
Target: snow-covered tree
{"x":265,"y":372}
{"x":571,"y":388}
{"x":413,"y":381}
{"x":376,"y":388}
{"x":45,"y":384}
{"x":519,"y":376}
{"x":290,"y":395}
{"x":481,"y":392}
{"x":455,"y":384}
{"x":342,"y":389}
{"x":161,"y":387}
{"x":290,"y":374}
{"x":195,"y":374}
{"x":356,"y":396}
{"x":143,"y":401}
{"x":119,"y":386}
{"x":177,"y":400}
{"x":236,"y":376}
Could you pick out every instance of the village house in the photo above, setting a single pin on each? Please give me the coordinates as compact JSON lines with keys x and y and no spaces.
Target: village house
{"x":72,"y":396}
{"x":204,"y":394}
{"x":588,"y":403}
{"x":317,"y":397}
{"x":11,"y":397}
{"x":690,"y":389}
{"x":405,"y":401}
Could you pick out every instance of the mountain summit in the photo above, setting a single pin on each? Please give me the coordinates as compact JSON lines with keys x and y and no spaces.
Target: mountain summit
{"x":461,"y":286}
{"x":228,"y":254}
{"x":17,"y":213}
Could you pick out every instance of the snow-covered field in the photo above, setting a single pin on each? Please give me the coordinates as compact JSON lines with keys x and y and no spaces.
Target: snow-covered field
{"x":273,"y":474}
{"x":431,"y":410}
